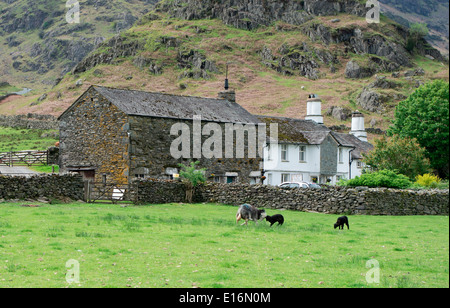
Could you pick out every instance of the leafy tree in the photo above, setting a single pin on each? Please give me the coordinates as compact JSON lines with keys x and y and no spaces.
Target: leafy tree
{"x":417,"y":32}
{"x":403,"y":155}
{"x":191,"y":178}
{"x":425,"y":116}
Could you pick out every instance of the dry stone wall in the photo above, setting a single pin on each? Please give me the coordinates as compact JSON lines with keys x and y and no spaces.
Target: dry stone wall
{"x":42,"y":187}
{"x":330,"y":200}
{"x":30,"y":121}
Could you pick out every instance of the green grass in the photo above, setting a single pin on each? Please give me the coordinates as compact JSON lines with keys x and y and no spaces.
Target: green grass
{"x":6,"y":89}
{"x":13,"y":139}
{"x":201,"y":246}
{"x":45,"y":169}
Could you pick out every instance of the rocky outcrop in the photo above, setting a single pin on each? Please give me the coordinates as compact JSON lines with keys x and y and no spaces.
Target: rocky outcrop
{"x":114,"y":48}
{"x":195,"y":65}
{"x":381,"y":82}
{"x":339,"y":113}
{"x":390,"y":56}
{"x":150,"y":64}
{"x":354,"y":70}
{"x":371,"y":100}
{"x":369,"y":67}
{"x":300,"y":60}
{"x":250,"y":14}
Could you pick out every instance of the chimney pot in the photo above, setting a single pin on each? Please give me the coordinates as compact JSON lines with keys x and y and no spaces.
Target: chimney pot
{"x":358,"y":126}
{"x":314,"y":109}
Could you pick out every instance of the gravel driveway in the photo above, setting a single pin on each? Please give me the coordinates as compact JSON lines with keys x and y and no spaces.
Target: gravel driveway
{"x":17,"y":171}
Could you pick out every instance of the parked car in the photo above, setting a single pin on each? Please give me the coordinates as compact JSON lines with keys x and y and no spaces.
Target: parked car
{"x":295,"y":185}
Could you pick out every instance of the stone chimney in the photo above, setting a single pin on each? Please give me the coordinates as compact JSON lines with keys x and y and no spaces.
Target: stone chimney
{"x":229,"y":95}
{"x":358,"y":126}
{"x":314,"y":109}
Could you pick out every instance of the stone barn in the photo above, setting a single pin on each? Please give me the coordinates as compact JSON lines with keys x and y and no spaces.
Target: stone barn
{"x":114,"y":136}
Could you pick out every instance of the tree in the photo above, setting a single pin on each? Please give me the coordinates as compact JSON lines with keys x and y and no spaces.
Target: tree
{"x":402,"y":155}
{"x":425,"y":116}
{"x":191,"y":178}
{"x":417,"y":32}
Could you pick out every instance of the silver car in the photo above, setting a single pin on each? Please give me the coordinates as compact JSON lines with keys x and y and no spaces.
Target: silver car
{"x":295,"y":185}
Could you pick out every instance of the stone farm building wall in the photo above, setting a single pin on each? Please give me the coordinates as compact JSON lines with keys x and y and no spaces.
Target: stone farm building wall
{"x":105,"y":144}
{"x":94,"y":139}
{"x":150,"y":152}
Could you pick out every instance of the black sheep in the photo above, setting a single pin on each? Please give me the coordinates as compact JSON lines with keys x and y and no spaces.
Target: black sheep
{"x":275,"y":218}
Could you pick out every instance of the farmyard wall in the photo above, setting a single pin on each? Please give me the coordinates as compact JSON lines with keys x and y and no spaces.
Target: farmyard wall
{"x":51,"y":187}
{"x":30,"y":121}
{"x":332,"y":200}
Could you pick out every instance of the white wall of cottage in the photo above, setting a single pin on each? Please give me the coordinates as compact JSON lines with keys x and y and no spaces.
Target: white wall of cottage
{"x":279,"y":168}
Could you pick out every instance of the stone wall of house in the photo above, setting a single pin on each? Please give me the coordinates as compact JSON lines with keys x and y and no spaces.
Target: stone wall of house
{"x":37,"y":187}
{"x":331,"y":200}
{"x":151,"y":156}
{"x":94,"y":135}
{"x":329,"y":156}
{"x":30,"y":121}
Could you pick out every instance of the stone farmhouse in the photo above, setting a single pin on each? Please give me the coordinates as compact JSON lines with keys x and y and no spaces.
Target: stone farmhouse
{"x":111,"y":135}
{"x":115,"y":136}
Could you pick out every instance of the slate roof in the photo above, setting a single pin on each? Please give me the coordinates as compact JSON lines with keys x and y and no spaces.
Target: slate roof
{"x":353,"y":141}
{"x":298,"y":131}
{"x":163,"y":105}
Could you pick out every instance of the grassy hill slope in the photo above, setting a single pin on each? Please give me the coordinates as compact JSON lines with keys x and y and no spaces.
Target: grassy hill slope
{"x":273,"y":68}
{"x":38,"y":46}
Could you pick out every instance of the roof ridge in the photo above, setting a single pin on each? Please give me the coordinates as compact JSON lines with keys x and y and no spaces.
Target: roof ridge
{"x":162,"y":93}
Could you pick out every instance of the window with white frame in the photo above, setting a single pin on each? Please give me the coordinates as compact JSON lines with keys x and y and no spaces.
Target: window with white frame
{"x":269,"y":178}
{"x":302,"y":154}
{"x":284,"y":152}
{"x":285,"y":177}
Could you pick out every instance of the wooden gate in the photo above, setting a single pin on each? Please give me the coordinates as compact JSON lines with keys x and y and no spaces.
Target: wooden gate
{"x":24,"y":158}
{"x":114,"y":193}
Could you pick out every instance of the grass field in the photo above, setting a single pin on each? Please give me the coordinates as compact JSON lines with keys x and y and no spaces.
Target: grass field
{"x":14,"y":139}
{"x":200,"y":245}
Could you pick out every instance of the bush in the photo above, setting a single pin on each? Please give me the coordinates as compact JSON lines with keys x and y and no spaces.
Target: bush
{"x":428,"y":180}
{"x":191,"y":178}
{"x":383,"y":178}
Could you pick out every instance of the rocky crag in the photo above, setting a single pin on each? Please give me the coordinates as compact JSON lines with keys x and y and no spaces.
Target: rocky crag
{"x":251,"y":14}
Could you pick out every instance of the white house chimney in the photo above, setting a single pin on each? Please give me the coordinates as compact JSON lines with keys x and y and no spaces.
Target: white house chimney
{"x":314,"y":109}
{"x":358,"y":126}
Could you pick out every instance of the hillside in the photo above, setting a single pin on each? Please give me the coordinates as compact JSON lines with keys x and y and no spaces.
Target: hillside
{"x":38,"y":46}
{"x":432,"y":12}
{"x":278,"y":52}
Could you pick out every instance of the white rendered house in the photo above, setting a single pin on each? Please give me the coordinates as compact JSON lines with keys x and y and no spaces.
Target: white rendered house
{"x":308,"y":151}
